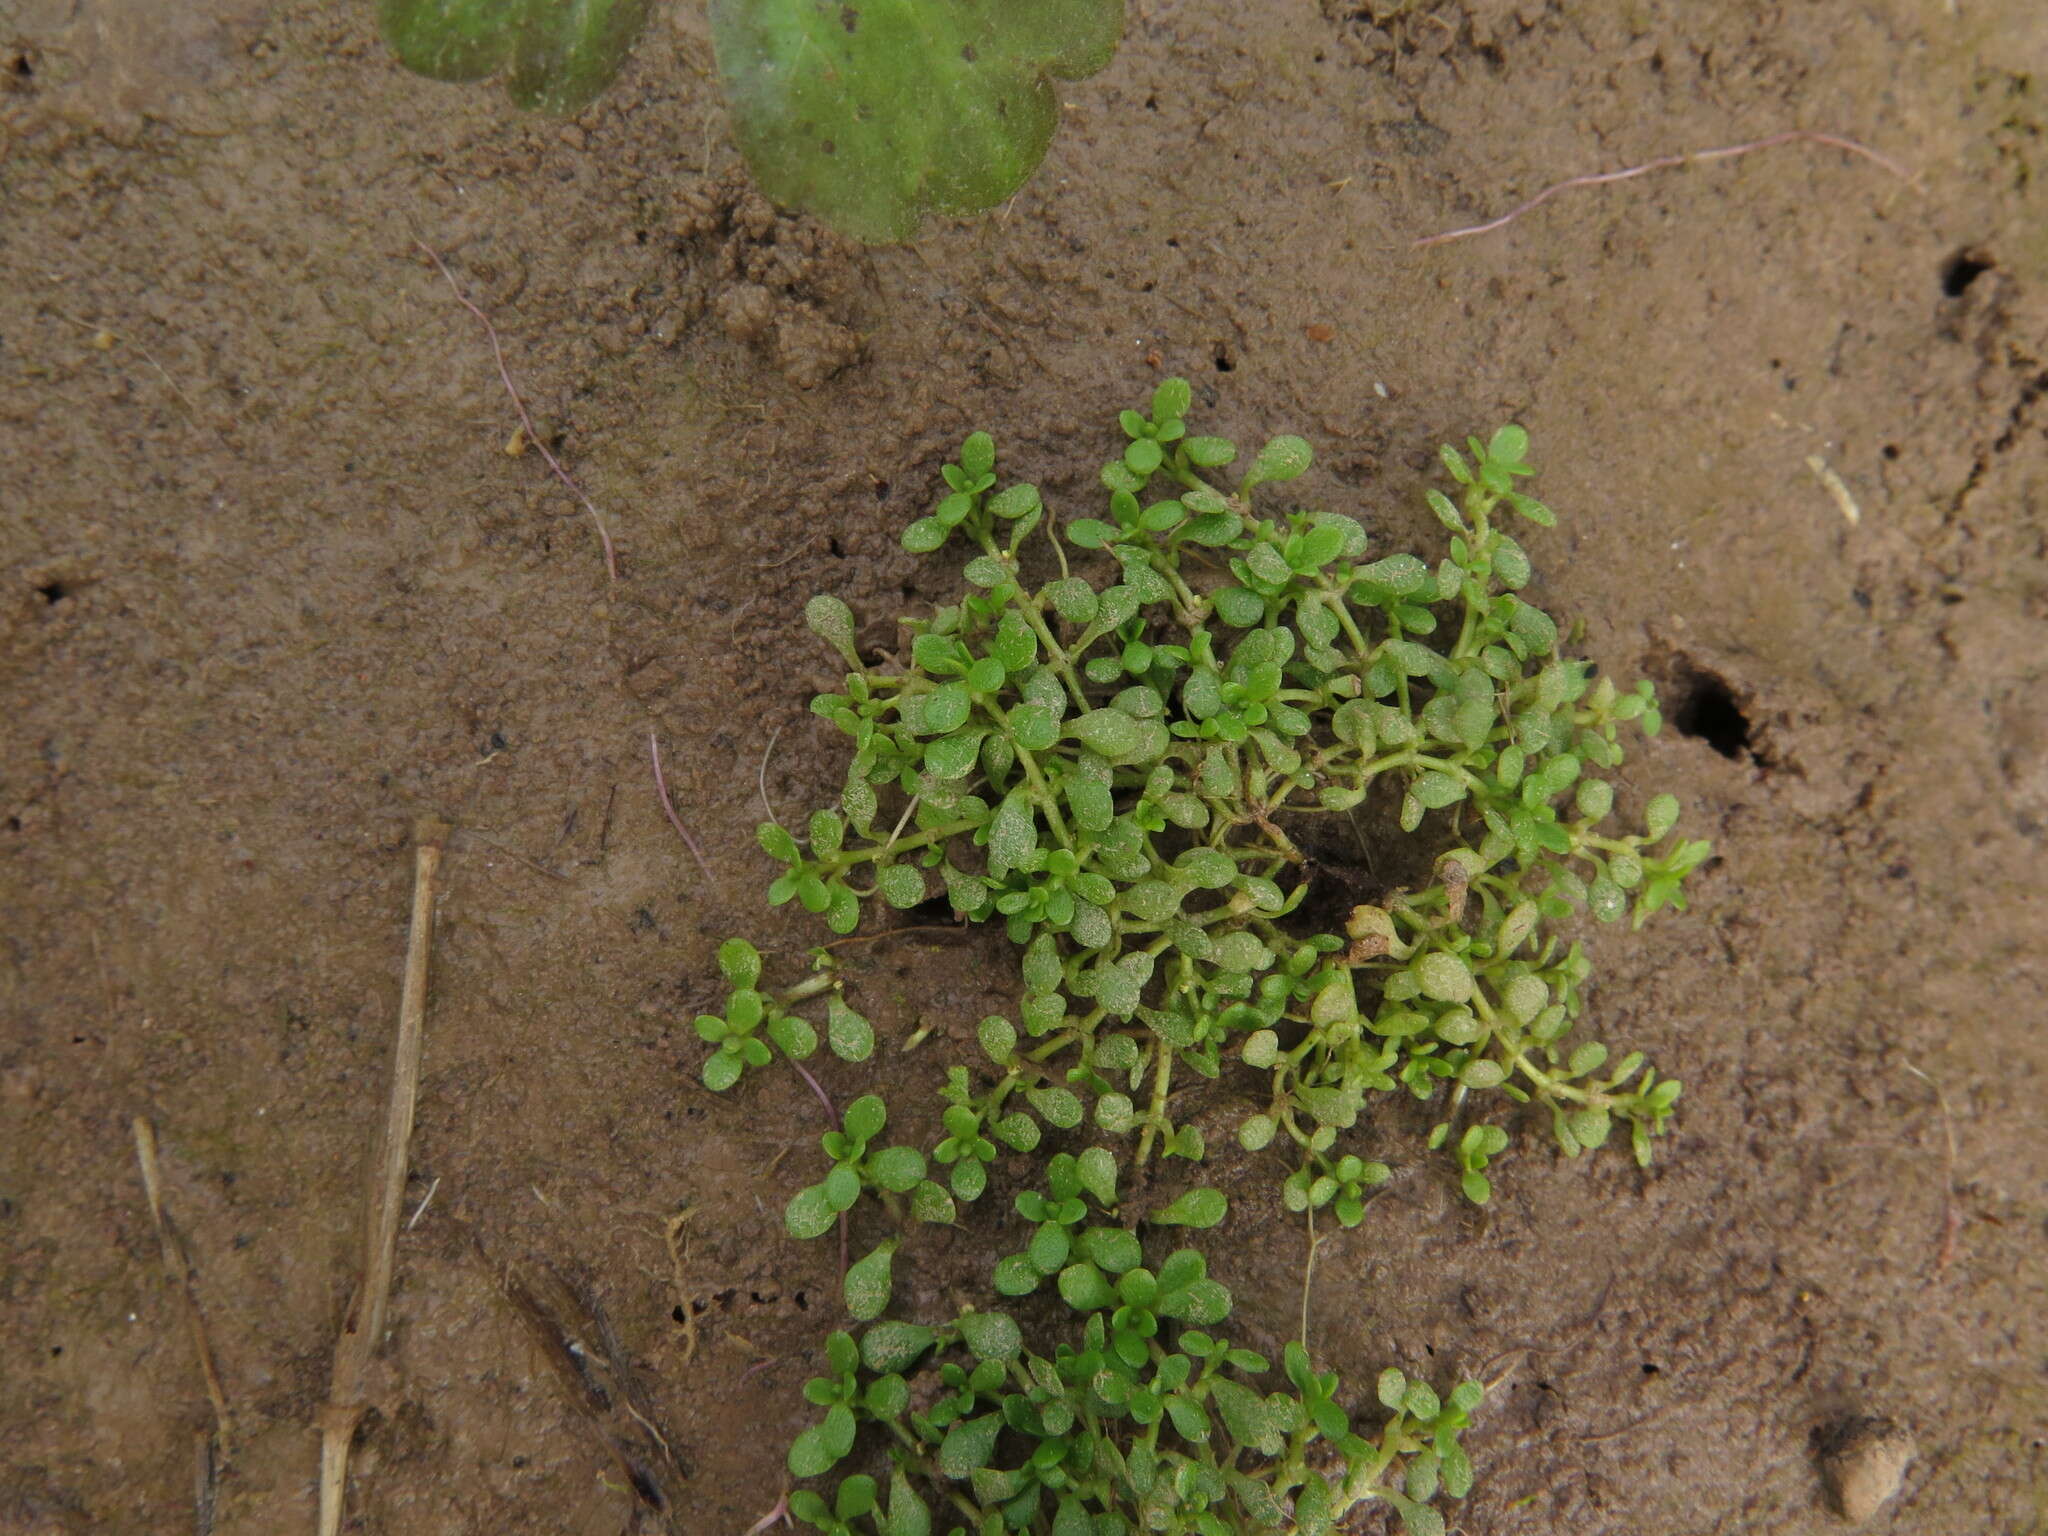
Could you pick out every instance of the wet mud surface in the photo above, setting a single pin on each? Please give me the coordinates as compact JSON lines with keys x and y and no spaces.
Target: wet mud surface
{"x":271,"y":588}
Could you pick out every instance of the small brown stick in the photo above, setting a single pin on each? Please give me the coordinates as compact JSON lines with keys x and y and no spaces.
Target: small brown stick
{"x":574,"y":1337}
{"x":178,"y":1277}
{"x":611,"y":556}
{"x":362,"y":1326}
{"x":955,"y":929}
{"x":1665,"y":163}
{"x":661,"y":787}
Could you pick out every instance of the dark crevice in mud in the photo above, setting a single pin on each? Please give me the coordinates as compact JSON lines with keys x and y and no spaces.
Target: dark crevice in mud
{"x":1963,"y":268}
{"x":1704,"y":704}
{"x":2033,"y":385}
{"x":1706,"y":709}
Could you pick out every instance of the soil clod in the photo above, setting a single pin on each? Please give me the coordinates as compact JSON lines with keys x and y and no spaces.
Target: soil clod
{"x":1862,"y":1462}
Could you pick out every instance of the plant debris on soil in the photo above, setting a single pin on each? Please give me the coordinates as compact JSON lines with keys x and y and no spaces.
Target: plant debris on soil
{"x":273,"y":591}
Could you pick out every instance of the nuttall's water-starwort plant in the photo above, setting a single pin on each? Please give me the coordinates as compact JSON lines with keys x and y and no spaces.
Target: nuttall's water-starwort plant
{"x":1124,"y":750}
{"x":1124,"y":1426}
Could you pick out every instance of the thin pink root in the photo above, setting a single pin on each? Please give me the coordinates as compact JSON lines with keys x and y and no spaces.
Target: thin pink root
{"x":611,"y":555}
{"x":1665,"y":163}
{"x":833,"y":1115}
{"x":779,"y":1512}
{"x":668,"y":805}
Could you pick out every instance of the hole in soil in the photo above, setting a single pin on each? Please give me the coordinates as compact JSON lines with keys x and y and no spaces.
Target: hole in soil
{"x":643,"y":1485}
{"x":933,"y":911}
{"x":1963,"y":269}
{"x":1356,"y":858}
{"x":20,"y":68}
{"x":832,"y":543}
{"x":1223,"y":362}
{"x":53,"y":591}
{"x":1706,"y":709}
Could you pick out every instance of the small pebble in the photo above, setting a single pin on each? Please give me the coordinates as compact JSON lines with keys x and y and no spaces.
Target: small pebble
{"x":1862,"y":1461}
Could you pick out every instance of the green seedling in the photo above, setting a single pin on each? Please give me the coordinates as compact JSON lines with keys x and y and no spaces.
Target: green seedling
{"x":1137,"y":765}
{"x":737,"y":1034}
{"x":1142,"y":1419}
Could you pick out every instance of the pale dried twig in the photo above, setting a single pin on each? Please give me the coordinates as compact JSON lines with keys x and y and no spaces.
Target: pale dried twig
{"x":1951,"y":1215}
{"x":178,"y":1276}
{"x":1665,"y":163}
{"x":363,"y":1324}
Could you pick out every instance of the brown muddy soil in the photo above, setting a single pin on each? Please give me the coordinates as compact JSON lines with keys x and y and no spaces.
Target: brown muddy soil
{"x":270,"y":588}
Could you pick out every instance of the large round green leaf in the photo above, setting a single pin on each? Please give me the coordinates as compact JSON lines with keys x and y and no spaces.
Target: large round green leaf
{"x":556,"y":55}
{"x":873,"y":113}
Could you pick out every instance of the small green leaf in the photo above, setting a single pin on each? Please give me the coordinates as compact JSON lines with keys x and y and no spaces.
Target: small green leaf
{"x":1096,"y":1168}
{"x":1444,"y":977}
{"x":740,"y":962}
{"x":809,"y":1213}
{"x":1013,"y":834}
{"x":908,"y":1513}
{"x":897,"y":1169}
{"x":1660,"y":816}
{"x":894,"y":1346}
{"x":721,"y":1070}
{"x":793,"y":1036}
{"x":1059,"y":1107}
{"x":925,"y":535}
{"x":867,"y":1283}
{"x":954,"y":757}
{"x":1084,"y":1288}
{"x":810,"y":1454}
{"x":1195,"y":1208}
{"x":969,"y":1444}
{"x":865,"y":1117}
{"x":1111,"y":732}
{"x":991,"y":1335}
{"x":832,"y":621}
{"x":998,"y":1037}
{"x":851,"y":1037}
{"x":901,"y":885}
{"x":930,"y":1203}
{"x":1284,"y":458}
